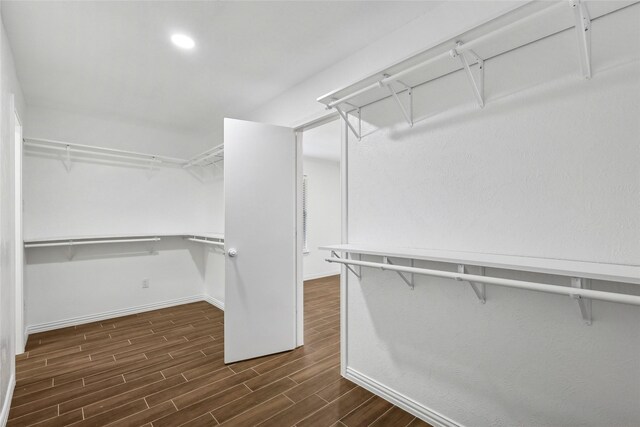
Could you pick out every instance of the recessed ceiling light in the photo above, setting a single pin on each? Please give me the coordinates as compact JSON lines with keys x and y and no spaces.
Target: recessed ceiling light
{"x":183,"y":41}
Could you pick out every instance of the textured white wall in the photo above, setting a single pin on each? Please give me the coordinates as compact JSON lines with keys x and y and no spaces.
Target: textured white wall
{"x":323,"y":214}
{"x":99,"y":199}
{"x":548,"y":169}
{"x":9,"y":86}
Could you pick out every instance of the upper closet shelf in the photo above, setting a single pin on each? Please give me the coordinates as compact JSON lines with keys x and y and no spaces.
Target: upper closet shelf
{"x":587,"y":270}
{"x":468,"y":50}
{"x":66,"y":150}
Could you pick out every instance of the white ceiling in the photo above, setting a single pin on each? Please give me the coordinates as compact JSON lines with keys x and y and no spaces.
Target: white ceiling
{"x":115,"y":57}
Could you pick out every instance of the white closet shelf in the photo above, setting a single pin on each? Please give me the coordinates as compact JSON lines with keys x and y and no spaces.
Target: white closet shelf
{"x":91,"y":150}
{"x":114,"y":238}
{"x":207,"y":239}
{"x":580,"y":273}
{"x":587,"y":270}
{"x":469,"y":49}
{"x":210,"y":157}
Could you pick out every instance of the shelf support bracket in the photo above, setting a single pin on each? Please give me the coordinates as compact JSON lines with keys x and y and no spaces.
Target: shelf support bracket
{"x":152,"y":246}
{"x":408,"y":115}
{"x":409,"y":281}
{"x":70,"y":251}
{"x":583,"y":31}
{"x":358,"y":273}
{"x":151,"y":164}
{"x":67,"y":160}
{"x":583,"y":303}
{"x":345,"y":117}
{"x":477,"y":83}
{"x":478,"y":288}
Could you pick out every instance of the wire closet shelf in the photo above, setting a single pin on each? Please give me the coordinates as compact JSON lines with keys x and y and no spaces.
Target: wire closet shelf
{"x":580,"y":273}
{"x":68,"y":150}
{"x":468,"y":52}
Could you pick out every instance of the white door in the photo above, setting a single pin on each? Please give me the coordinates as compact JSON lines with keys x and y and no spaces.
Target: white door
{"x":261,"y":180}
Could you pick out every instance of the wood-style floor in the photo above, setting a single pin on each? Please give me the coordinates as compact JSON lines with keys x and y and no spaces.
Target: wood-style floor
{"x":165,"y":368}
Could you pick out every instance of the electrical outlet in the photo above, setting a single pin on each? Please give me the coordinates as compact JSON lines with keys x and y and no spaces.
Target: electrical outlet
{"x":145,"y":283}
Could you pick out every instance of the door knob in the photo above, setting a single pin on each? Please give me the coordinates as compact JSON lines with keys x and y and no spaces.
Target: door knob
{"x":232,"y":252}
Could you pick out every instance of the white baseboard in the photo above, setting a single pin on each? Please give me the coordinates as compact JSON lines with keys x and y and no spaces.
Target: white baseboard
{"x":6,"y":405}
{"x":214,"y":302}
{"x":400,"y":400}
{"x":42,"y":327}
{"x":321,"y":275}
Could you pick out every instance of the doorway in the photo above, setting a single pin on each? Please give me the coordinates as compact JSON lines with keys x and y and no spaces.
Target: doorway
{"x":321,"y":203}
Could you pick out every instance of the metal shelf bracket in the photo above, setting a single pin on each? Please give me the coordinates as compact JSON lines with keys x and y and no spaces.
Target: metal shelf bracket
{"x":408,"y":115}
{"x":358,"y":273}
{"x":152,"y":245}
{"x":70,"y":251}
{"x":583,"y":31}
{"x":67,"y":160}
{"x":409,"y":281}
{"x":151,"y":165}
{"x":583,"y":303}
{"x":345,"y":116}
{"x":476,"y":82}
{"x":478,"y":288}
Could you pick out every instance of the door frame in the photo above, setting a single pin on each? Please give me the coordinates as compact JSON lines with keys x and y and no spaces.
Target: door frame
{"x":299,"y":129}
{"x":17,"y":128}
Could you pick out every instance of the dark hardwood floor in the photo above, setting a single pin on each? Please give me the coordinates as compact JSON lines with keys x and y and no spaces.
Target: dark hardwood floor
{"x":165,"y":368}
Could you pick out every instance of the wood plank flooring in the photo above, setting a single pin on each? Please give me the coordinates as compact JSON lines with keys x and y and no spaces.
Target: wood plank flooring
{"x":165,"y":368}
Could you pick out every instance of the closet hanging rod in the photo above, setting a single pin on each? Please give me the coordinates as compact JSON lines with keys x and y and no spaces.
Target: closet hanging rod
{"x":509,"y":283}
{"x":90,"y":149}
{"x":466,"y":46}
{"x":105,"y":154}
{"x":208,"y":242}
{"x":89,"y":242}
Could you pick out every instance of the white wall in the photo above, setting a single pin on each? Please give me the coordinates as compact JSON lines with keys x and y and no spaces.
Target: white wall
{"x":107,"y":199}
{"x":103,"y":279}
{"x":9,"y":86}
{"x":548,"y":169}
{"x":93,"y":128}
{"x":323,"y":218}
